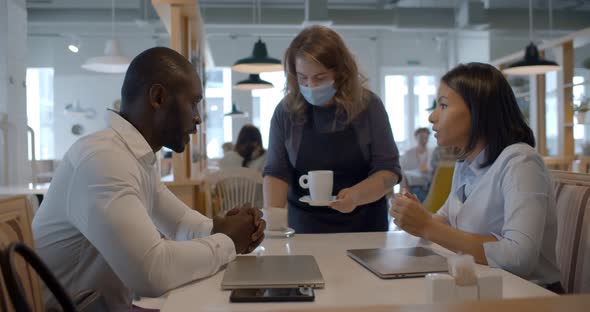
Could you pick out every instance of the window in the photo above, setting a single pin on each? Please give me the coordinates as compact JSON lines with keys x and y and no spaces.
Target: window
{"x":408,"y":95}
{"x":265,"y":101}
{"x":218,"y":99}
{"x":396,"y":102}
{"x":40,"y":112}
{"x":551,"y":114}
{"x":424,"y":94}
{"x":579,"y":92}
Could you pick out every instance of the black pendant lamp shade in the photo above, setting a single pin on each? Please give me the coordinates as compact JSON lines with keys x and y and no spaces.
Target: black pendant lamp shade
{"x":532,"y":64}
{"x":235,"y":112}
{"x":259,"y":62}
{"x":252,"y":83}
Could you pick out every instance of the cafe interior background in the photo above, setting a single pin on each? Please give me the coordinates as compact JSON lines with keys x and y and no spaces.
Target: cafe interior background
{"x":54,"y":88}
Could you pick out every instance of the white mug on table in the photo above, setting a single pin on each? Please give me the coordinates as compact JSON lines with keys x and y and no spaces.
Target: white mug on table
{"x":276,"y":218}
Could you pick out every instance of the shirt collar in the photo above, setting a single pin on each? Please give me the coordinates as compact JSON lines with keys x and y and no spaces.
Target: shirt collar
{"x":475,"y":165}
{"x":134,"y":141}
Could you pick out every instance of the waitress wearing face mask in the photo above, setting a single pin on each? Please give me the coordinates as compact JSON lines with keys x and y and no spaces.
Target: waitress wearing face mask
{"x":328,"y":120}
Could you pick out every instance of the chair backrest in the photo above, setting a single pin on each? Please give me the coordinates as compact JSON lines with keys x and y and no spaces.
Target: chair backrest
{"x":15,"y":226}
{"x":584,"y":164}
{"x":12,"y":279}
{"x":563,"y":163}
{"x":440,"y":186}
{"x":572,"y":194}
{"x":231,"y":187}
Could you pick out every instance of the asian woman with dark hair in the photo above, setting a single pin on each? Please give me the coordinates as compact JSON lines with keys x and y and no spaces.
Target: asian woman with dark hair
{"x":501,"y":207}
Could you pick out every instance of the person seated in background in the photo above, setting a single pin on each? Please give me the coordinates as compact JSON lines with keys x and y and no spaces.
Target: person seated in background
{"x":416,"y":165}
{"x":248,"y":151}
{"x":100,"y":224}
{"x":227,"y":147}
{"x":501,"y":208}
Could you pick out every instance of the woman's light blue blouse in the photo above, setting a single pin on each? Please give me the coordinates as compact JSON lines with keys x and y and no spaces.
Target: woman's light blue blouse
{"x":513,"y":200}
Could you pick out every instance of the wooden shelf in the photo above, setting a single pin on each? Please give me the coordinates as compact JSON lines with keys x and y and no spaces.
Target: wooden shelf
{"x":570,"y":85}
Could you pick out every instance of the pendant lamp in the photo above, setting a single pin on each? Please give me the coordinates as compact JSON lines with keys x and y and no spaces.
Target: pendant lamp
{"x":112,"y":61}
{"x":235,"y":112}
{"x":252,"y":83}
{"x":258,"y":62}
{"x":532,"y":64}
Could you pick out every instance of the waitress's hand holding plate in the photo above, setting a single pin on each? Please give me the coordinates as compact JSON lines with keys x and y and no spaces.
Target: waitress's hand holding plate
{"x":346,"y":201}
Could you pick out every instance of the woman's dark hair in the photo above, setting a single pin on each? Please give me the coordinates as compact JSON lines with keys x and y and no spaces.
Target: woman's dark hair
{"x":249,"y":139}
{"x":495,"y":115}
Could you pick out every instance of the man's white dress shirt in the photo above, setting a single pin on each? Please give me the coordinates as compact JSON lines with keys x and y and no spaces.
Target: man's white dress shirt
{"x":99,"y":224}
{"x":511,"y":199}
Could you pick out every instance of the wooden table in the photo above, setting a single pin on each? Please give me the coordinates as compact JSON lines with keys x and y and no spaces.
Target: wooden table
{"x":348,"y":284}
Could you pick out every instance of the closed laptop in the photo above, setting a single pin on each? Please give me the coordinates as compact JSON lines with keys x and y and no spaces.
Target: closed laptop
{"x":400,"y":262}
{"x":272,"y":272}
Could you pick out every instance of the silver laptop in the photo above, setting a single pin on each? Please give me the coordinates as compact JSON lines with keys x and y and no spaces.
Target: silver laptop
{"x":272,"y":272}
{"x":400,"y":262}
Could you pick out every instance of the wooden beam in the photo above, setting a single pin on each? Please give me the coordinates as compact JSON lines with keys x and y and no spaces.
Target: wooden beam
{"x":163,"y":10}
{"x":185,"y":33}
{"x":568,"y":111}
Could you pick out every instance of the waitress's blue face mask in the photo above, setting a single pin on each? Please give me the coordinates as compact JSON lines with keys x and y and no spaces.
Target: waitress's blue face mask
{"x":319,"y":95}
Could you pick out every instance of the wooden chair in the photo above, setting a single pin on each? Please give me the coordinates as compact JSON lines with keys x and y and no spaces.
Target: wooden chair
{"x":231,"y":187}
{"x":440,"y":186}
{"x":15,"y":225}
{"x":584,"y":164}
{"x":572,"y":194}
{"x":563,"y":163}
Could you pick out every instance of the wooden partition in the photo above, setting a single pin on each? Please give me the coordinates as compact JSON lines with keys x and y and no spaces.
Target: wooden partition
{"x":183,"y":22}
{"x":566,"y":45}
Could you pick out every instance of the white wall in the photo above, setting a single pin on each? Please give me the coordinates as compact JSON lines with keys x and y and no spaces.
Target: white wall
{"x":472,"y":46}
{"x":373,"y":50}
{"x":92,"y":91}
{"x":72,"y":83}
{"x":13,"y":29}
{"x":505,"y":44}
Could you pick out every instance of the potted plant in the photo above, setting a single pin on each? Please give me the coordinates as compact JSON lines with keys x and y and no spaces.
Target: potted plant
{"x":581,"y":108}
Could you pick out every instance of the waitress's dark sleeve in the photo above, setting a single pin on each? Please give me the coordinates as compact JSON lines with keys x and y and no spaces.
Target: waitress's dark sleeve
{"x":277,"y":162}
{"x":383,"y":150}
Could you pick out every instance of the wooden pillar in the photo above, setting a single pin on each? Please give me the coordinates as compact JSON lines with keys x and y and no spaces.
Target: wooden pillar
{"x":568,"y":112}
{"x":182,"y":20}
{"x":178,"y":31}
{"x":541,"y":115}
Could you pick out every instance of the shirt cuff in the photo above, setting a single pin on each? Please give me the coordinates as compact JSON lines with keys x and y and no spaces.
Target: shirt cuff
{"x":225,"y":250}
{"x":491,"y":249}
{"x":207,"y":227}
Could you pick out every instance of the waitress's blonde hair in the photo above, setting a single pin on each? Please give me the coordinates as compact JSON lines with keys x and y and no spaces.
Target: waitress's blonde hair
{"x":323,"y":45}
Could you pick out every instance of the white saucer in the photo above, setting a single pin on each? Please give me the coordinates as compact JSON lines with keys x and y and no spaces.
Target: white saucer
{"x":287,"y":232}
{"x":307,"y":199}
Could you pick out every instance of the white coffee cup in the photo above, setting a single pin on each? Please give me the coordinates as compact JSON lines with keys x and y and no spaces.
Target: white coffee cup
{"x":276,"y":218}
{"x":319,"y":183}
